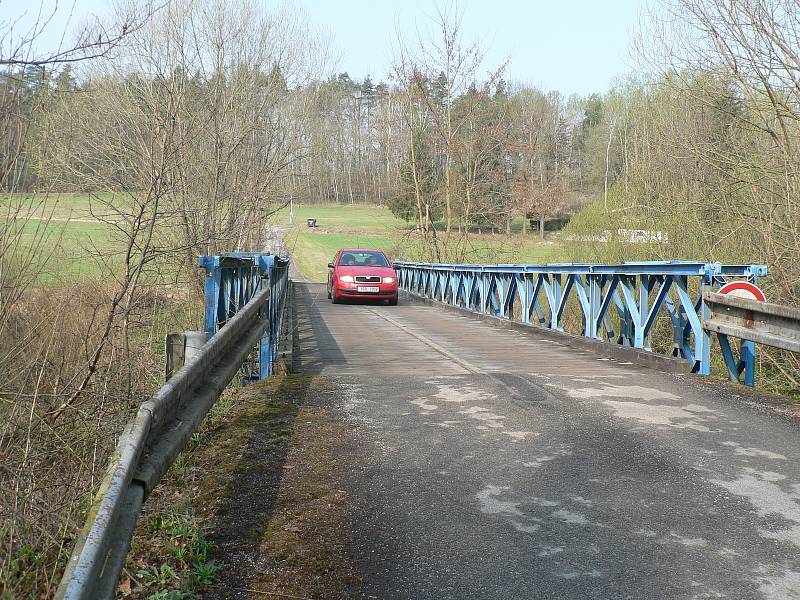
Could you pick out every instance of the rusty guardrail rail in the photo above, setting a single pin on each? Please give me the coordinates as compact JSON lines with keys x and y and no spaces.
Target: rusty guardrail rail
{"x":156,"y":435}
{"x":751,"y":322}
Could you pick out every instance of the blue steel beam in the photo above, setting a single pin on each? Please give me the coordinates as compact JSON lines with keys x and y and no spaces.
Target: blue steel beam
{"x":232,"y":279}
{"x":542,"y":293}
{"x":629,"y":268}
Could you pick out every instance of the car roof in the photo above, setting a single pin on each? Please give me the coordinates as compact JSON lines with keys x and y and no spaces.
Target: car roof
{"x":361,"y":250}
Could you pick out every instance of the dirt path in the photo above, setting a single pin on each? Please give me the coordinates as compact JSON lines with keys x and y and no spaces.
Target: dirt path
{"x":276,"y":505}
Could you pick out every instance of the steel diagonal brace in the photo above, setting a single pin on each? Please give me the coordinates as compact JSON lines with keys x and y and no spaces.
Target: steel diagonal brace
{"x":687,"y":328}
{"x":583,"y":298}
{"x":497,"y":295}
{"x":633,"y":311}
{"x":553,"y":299}
{"x":523,"y":291}
{"x":666,"y":284}
{"x":535,"y":304}
{"x":509,"y":297}
{"x":602,"y":321}
{"x":679,"y":325}
{"x":459,"y":299}
{"x":491,"y":300}
{"x":701,"y":339}
{"x":562,"y":301}
{"x":625,"y":322}
{"x":735,"y":366}
{"x":471,"y":291}
{"x":484,"y":288}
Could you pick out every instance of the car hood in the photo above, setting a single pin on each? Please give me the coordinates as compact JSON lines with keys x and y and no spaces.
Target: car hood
{"x":379,"y":271}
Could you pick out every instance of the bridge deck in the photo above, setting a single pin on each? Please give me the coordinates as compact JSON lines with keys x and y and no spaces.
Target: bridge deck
{"x":491,"y":463}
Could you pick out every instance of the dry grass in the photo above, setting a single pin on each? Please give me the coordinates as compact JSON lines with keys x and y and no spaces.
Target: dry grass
{"x":52,"y":463}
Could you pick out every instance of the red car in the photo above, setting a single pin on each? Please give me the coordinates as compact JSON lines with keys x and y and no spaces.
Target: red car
{"x":362,"y":273}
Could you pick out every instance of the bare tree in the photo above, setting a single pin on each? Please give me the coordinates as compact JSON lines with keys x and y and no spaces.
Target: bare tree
{"x":184,"y":133}
{"x":735,"y":65}
{"x":447,"y":66}
{"x":541,"y":154}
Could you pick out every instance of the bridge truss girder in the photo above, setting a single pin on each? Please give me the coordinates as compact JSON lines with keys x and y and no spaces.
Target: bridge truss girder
{"x":617,"y":303}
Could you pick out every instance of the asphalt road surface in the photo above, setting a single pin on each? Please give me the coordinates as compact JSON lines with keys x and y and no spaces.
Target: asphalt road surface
{"x":493,"y":463}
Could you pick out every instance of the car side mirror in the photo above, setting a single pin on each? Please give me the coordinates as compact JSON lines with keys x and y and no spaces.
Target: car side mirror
{"x":330,"y":265}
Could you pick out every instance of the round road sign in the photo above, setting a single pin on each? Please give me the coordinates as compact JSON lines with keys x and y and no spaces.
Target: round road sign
{"x":743,"y":289}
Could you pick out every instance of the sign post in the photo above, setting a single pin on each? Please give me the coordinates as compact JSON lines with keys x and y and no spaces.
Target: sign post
{"x":747,"y":348}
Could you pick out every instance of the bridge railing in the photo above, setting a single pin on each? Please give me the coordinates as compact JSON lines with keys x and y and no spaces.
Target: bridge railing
{"x":617,"y":303}
{"x":750,"y":321}
{"x":231,"y":280}
{"x":244,"y":308}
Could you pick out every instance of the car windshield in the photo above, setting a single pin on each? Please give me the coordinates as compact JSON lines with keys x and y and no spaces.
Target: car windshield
{"x":363,"y":259}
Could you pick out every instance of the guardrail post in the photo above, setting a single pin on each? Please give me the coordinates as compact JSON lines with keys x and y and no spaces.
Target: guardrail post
{"x":747,"y":354}
{"x":704,"y":349}
{"x":181,"y":348}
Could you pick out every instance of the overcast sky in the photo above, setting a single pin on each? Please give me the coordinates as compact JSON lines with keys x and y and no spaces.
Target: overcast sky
{"x":570,"y":46}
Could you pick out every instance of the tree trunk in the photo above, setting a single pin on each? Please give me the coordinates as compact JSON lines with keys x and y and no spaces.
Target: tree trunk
{"x":608,"y":153}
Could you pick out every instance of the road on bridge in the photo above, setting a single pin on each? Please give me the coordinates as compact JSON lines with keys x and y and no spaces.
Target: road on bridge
{"x":485,"y":462}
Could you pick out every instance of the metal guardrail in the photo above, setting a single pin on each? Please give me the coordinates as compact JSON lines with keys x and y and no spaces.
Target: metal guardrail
{"x":750,"y":321}
{"x":158,"y":433}
{"x":618,"y":303}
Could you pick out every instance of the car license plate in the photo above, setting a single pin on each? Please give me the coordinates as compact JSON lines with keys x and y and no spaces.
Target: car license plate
{"x":369,"y":288}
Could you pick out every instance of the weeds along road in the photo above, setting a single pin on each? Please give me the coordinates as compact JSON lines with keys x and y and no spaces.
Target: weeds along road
{"x":431,"y":455}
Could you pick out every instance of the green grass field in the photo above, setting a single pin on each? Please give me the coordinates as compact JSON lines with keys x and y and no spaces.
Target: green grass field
{"x":376,"y":227}
{"x":56,"y":207}
{"x":344,"y":218}
{"x":59,"y":238}
{"x":63,"y":241}
{"x":63,"y":252}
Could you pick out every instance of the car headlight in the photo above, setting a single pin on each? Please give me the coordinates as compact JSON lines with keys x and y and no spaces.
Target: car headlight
{"x":388,"y":280}
{"x":346,"y":278}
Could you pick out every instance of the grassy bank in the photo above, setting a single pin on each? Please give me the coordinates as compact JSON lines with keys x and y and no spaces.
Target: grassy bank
{"x":56,"y":239}
{"x":267,"y":451}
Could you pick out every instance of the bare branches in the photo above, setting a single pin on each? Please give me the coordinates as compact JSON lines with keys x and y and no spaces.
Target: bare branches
{"x":94,"y":39}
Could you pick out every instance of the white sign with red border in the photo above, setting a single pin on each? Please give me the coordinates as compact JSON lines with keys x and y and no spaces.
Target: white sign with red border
{"x":743,"y":289}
